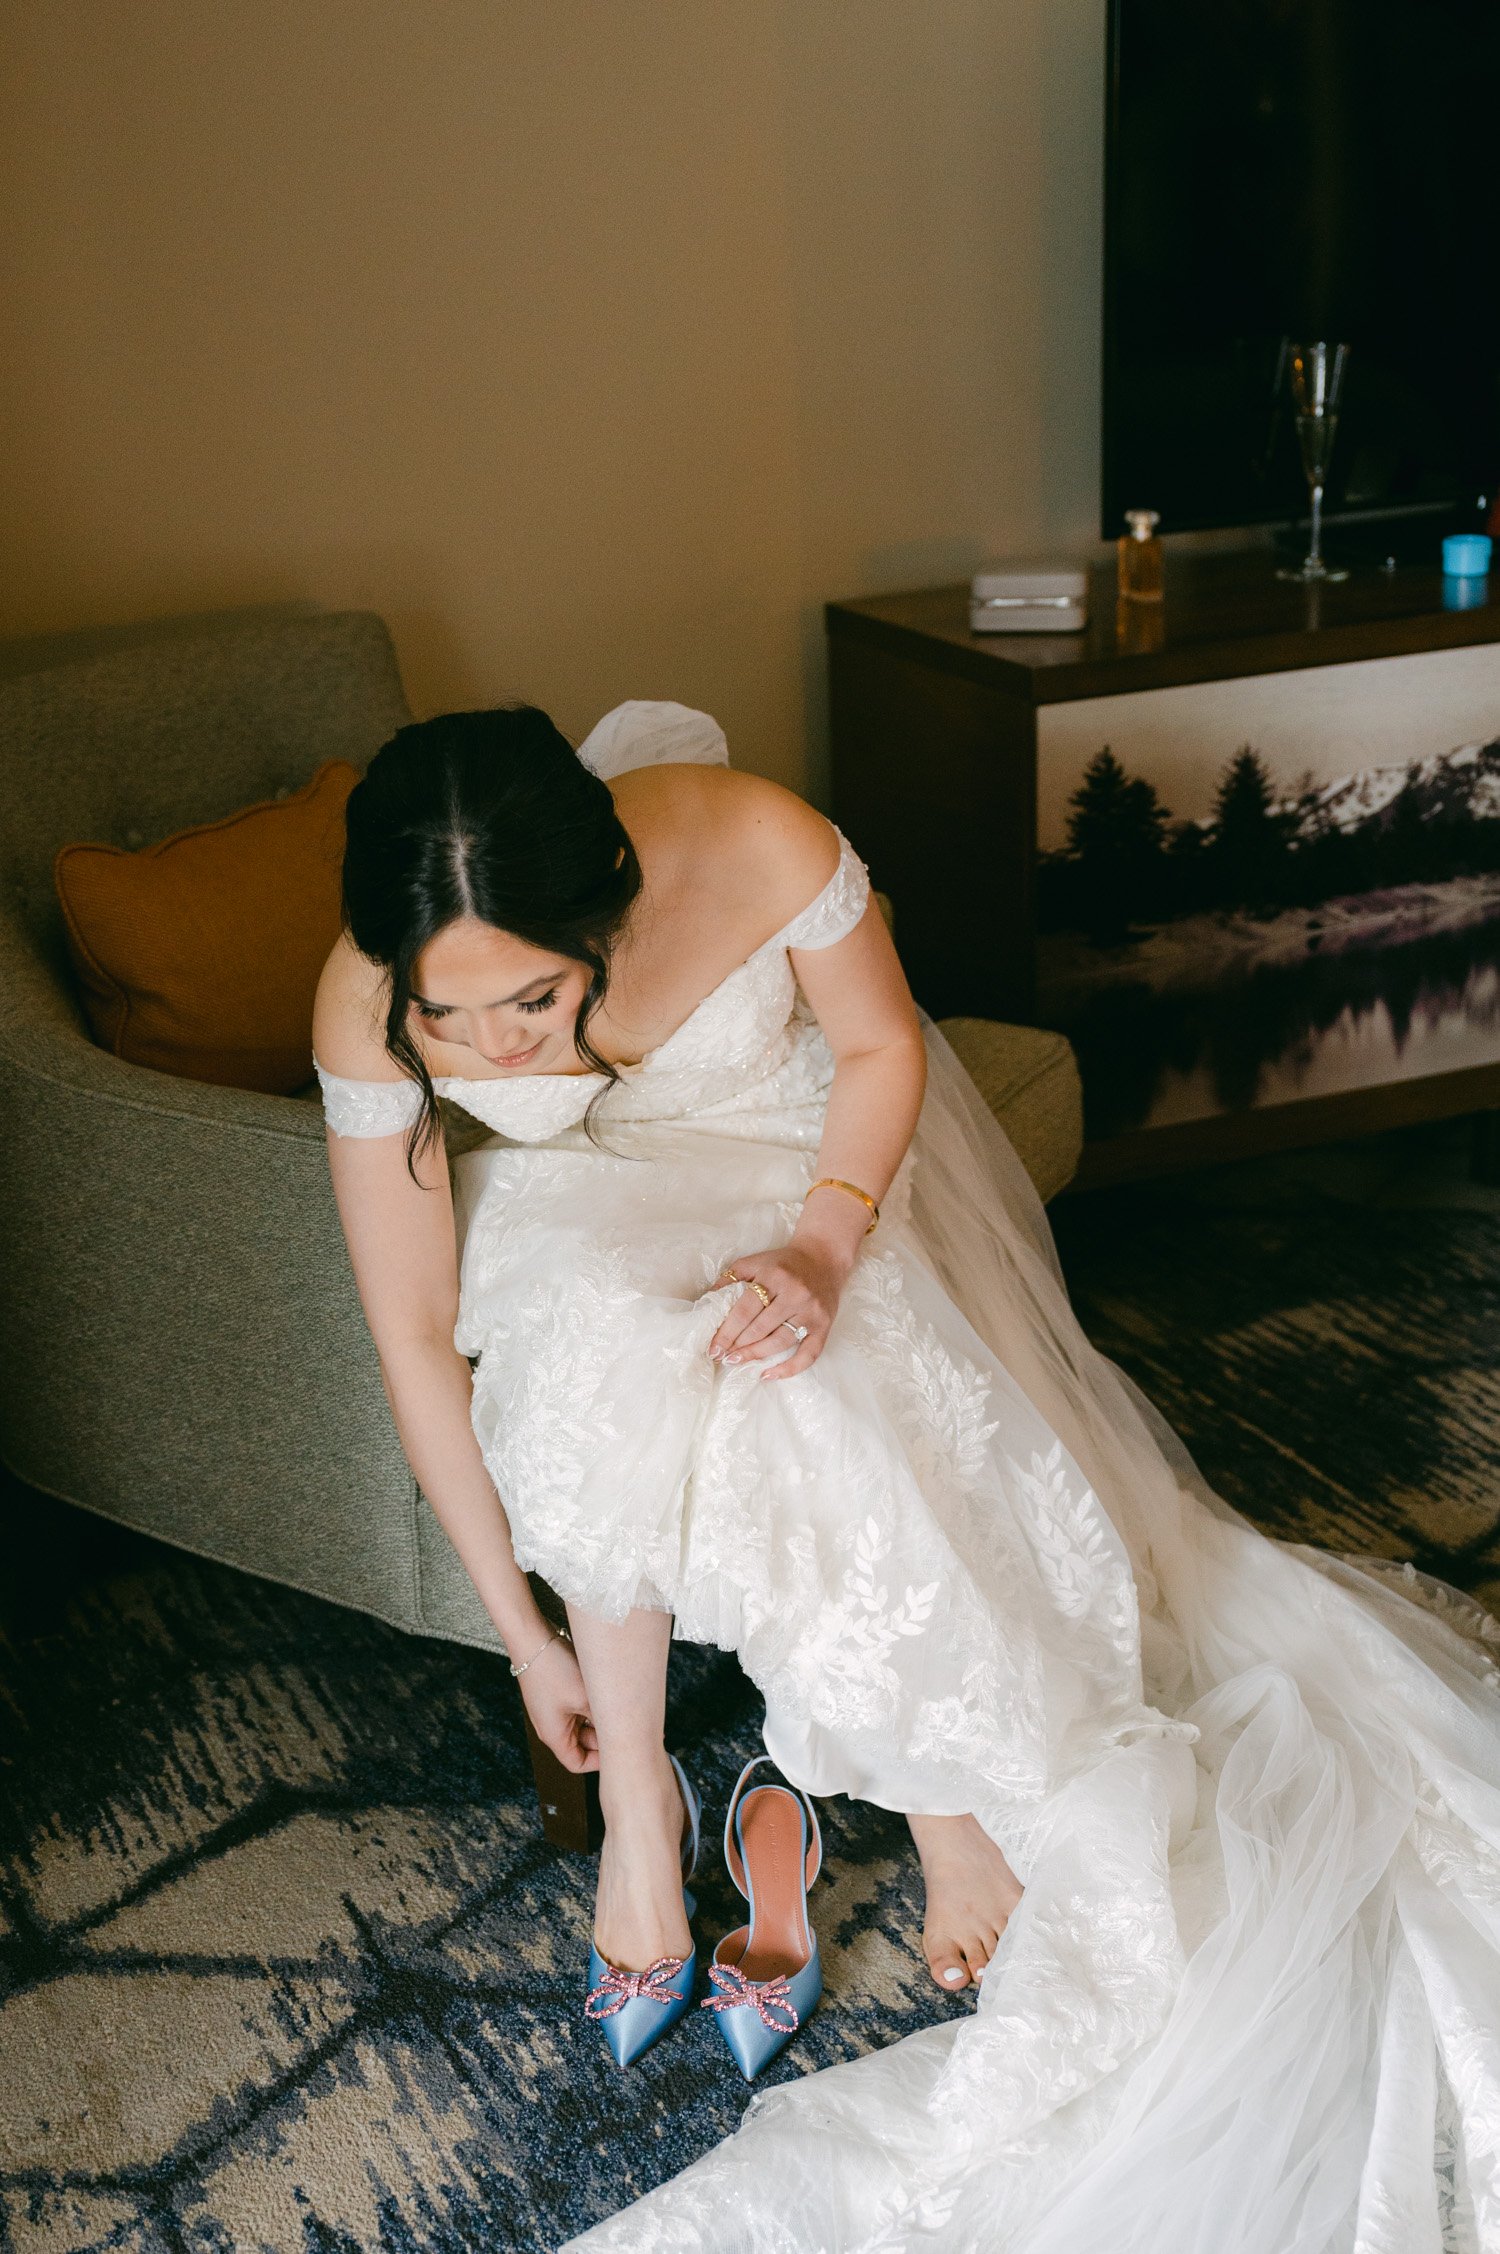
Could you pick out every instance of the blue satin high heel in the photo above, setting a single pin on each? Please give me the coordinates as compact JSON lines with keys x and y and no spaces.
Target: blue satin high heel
{"x":635,"y":2009}
{"x":766,"y":1975}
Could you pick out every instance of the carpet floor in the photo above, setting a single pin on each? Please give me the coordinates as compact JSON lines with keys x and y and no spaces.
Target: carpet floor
{"x":284,"y":1962}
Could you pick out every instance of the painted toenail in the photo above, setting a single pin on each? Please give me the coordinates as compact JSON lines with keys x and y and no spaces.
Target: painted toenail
{"x":952,"y":1975}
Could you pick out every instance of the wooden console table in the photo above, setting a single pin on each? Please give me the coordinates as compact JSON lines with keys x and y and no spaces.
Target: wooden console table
{"x":934,"y":743}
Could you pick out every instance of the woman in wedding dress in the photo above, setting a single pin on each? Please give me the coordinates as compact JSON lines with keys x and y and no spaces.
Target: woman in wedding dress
{"x":1216,"y":1818}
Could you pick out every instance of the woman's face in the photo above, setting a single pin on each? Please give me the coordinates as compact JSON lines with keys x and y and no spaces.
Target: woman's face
{"x":513,"y":1004}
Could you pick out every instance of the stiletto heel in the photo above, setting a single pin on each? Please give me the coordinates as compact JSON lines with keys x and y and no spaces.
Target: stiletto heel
{"x":767,"y":1974}
{"x":635,"y":2009}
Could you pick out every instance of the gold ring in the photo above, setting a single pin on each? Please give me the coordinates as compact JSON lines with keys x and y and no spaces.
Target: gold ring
{"x":760,"y":1292}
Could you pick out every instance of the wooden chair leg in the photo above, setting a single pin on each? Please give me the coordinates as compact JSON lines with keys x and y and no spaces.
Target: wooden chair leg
{"x":569,"y":1803}
{"x":1484,"y":1148}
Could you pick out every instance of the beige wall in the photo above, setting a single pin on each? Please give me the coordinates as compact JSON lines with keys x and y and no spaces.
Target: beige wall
{"x":593,"y":342}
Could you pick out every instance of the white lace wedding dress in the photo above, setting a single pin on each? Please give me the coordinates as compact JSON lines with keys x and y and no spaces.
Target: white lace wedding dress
{"x":1250,"y":2001}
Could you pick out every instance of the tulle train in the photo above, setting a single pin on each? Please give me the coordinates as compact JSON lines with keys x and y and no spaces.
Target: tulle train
{"x":1250,"y":2001}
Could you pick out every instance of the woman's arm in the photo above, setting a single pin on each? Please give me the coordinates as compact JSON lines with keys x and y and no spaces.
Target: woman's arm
{"x":859,"y":993}
{"x":401,"y":1247}
{"x":400,"y":1235}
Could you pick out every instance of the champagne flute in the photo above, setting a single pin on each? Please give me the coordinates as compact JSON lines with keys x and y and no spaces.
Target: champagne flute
{"x":1317,"y":384}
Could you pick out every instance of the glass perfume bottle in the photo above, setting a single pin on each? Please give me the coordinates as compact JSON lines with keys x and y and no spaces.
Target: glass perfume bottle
{"x":1140,"y":558}
{"x":1139,"y":627}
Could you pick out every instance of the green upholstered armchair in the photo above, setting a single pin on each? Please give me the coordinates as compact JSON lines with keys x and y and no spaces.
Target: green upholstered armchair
{"x":186,"y":1351}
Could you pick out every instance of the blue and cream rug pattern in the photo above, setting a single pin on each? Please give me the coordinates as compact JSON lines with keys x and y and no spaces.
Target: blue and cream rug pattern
{"x":284,"y":1961}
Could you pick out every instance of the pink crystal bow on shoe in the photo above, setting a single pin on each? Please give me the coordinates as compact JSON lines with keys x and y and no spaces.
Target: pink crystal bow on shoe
{"x":772,"y":1999}
{"x":618,"y":1988}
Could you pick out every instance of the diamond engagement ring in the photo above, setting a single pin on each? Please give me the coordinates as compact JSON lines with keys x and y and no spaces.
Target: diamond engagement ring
{"x":798,"y":1330}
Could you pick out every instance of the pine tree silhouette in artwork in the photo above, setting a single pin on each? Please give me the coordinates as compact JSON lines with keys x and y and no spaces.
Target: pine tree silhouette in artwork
{"x":1189,"y":869}
{"x":1249,"y":835}
{"x":1116,"y":824}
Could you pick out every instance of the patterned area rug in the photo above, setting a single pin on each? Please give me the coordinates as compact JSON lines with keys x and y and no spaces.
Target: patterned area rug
{"x":1324,"y":1332}
{"x":284,"y":1963}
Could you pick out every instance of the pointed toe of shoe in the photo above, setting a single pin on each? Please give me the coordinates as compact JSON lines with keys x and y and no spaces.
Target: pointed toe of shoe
{"x":632,"y":2028}
{"x":752,"y":2043}
{"x":635,"y":2027}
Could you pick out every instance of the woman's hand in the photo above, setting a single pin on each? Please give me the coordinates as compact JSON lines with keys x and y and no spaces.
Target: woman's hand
{"x":554,"y":1696}
{"x":805,"y":1282}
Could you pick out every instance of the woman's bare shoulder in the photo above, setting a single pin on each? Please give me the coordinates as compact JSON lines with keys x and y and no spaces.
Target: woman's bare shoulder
{"x":767,"y":845}
{"x":793,"y":847}
{"x":349,"y":1016}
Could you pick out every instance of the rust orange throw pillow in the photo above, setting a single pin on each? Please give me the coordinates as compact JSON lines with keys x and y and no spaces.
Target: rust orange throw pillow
{"x":201,"y":955}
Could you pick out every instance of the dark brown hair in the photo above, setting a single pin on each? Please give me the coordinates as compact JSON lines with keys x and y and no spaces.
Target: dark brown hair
{"x":491,"y":815}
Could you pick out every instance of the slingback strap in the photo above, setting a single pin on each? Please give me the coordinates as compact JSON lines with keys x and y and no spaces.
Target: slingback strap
{"x":693,"y":1808}
{"x":732,"y":1856}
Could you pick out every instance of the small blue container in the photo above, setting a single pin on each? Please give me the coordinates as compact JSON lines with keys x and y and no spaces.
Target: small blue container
{"x":1466,"y":555}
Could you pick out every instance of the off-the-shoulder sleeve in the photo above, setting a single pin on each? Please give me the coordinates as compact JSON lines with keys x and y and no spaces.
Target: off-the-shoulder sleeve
{"x":368,"y":1107}
{"x":838,"y":906}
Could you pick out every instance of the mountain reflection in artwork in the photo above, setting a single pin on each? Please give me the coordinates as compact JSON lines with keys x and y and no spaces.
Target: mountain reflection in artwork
{"x":1289,"y":946}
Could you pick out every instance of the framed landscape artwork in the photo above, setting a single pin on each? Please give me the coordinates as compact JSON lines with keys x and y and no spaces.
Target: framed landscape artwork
{"x":1255,"y":892}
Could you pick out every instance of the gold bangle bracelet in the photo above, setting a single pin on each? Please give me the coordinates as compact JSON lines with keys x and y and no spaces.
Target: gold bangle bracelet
{"x":832,"y":1182}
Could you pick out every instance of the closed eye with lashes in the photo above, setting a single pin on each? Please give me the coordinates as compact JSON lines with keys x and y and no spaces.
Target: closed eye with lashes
{"x":542,"y":1002}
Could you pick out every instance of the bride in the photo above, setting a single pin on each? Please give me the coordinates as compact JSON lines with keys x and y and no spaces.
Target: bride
{"x":745,"y":1324}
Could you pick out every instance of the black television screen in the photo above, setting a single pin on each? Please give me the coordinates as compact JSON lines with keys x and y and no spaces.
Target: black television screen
{"x":1301,"y":170}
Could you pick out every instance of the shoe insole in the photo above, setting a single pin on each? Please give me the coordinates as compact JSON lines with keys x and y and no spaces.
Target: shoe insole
{"x":774,"y":1842}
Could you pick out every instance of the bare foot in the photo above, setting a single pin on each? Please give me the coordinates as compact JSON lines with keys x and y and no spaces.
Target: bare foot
{"x":638,"y":1911}
{"x":971,"y":1891}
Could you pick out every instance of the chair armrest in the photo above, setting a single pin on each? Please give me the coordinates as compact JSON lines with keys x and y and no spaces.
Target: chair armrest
{"x":43,"y":1037}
